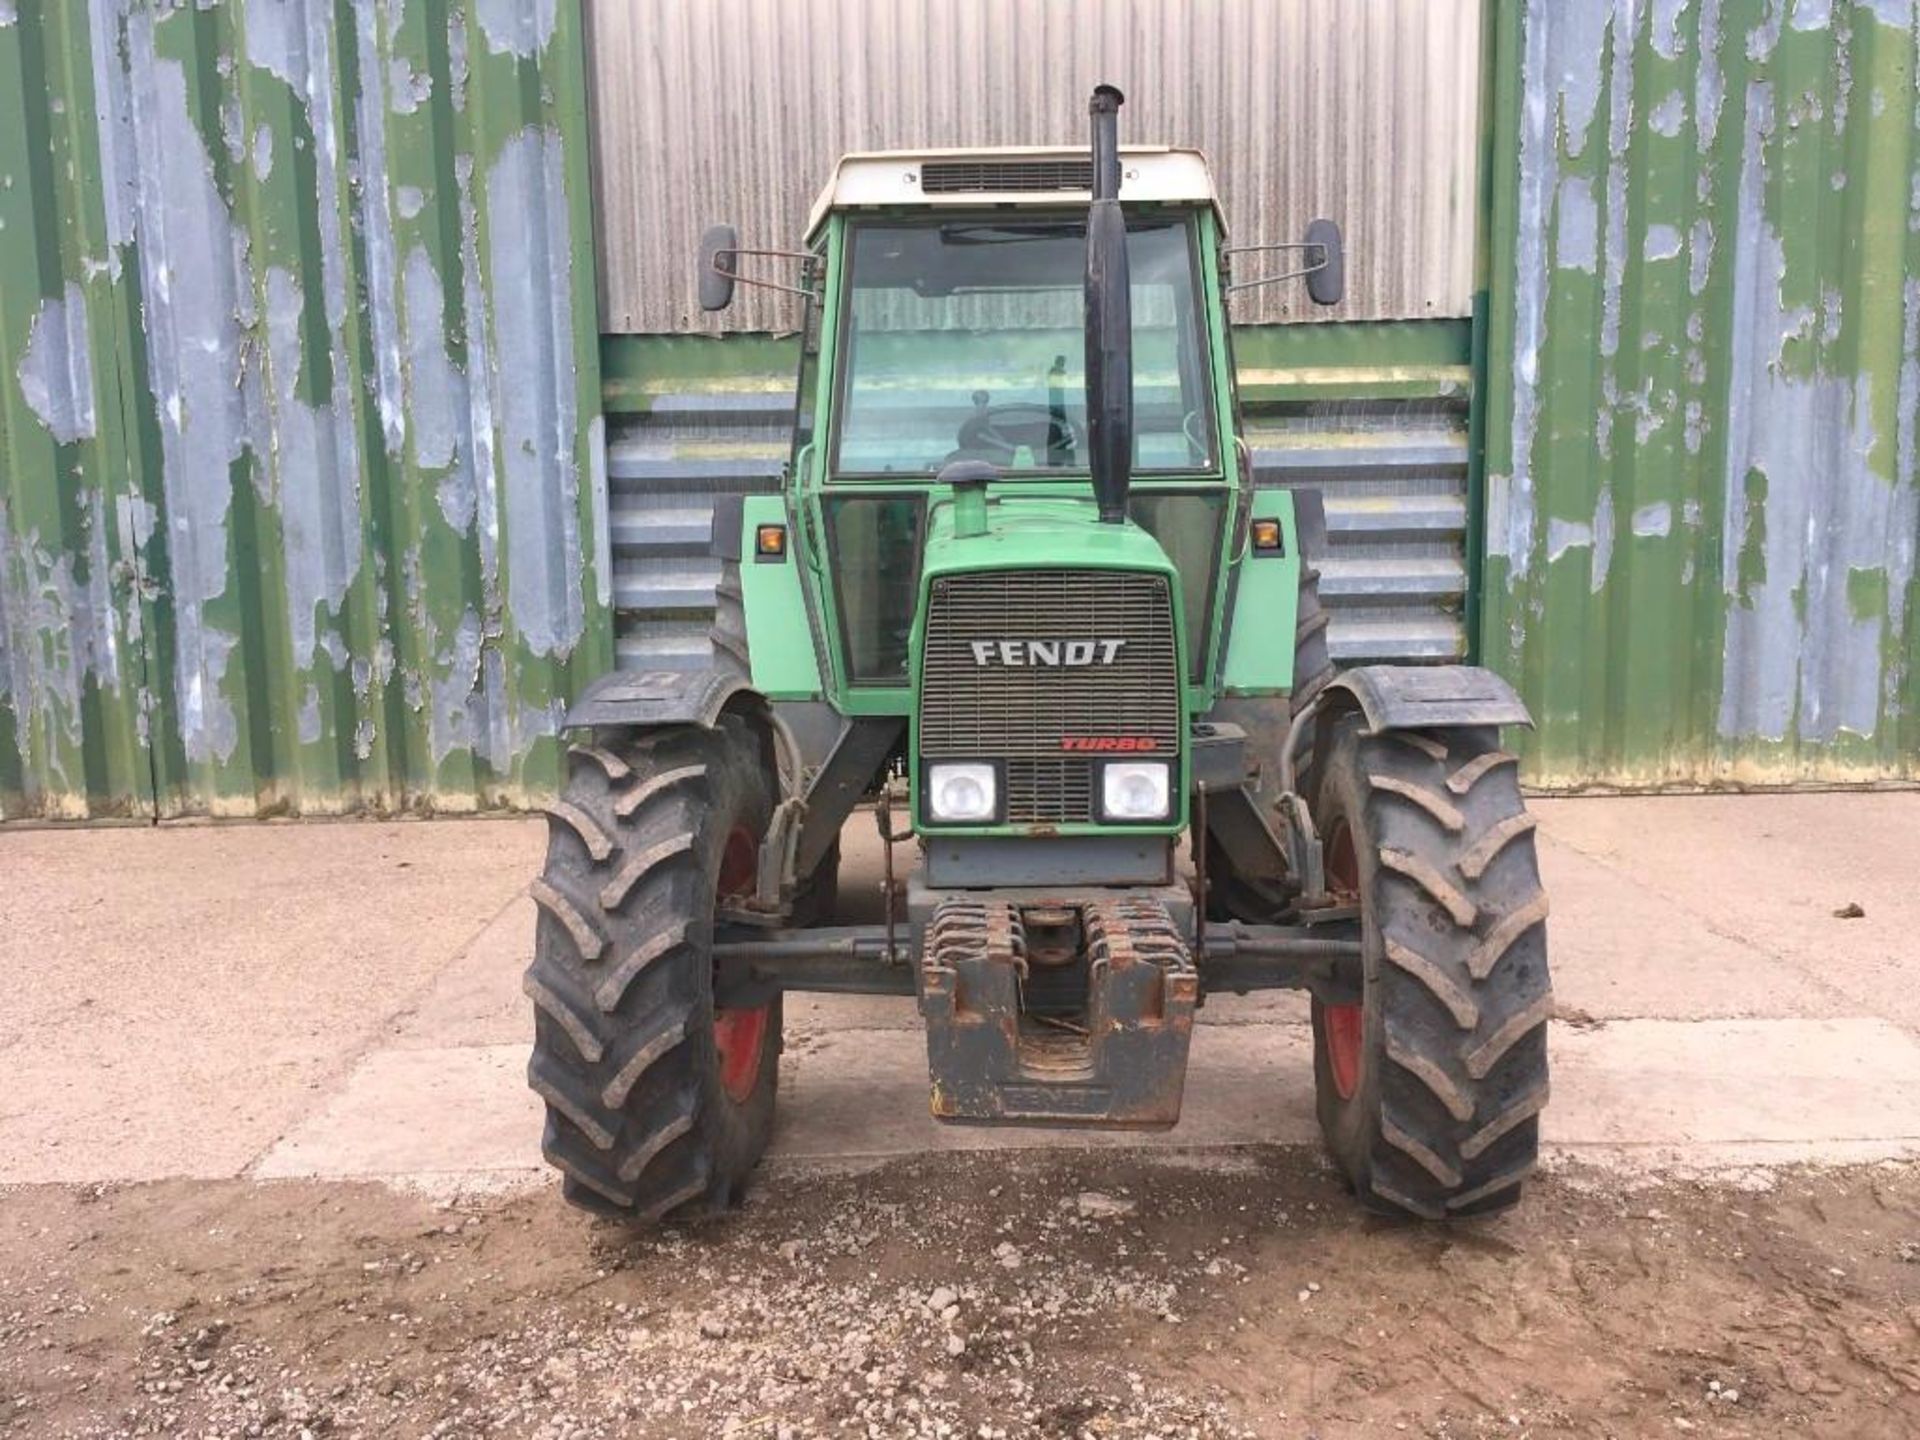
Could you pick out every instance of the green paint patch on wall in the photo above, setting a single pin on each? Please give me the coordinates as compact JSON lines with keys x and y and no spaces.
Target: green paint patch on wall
{"x":1867,"y":593}
{"x":1751,"y":561}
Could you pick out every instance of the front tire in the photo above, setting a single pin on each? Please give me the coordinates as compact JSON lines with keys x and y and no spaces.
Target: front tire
{"x":658,"y":1105}
{"x":1429,"y":1092}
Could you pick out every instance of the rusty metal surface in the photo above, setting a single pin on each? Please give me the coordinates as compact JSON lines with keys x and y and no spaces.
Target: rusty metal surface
{"x":1120,"y":1064}
{"x":300,"y":406}
{"x":734,"y":110}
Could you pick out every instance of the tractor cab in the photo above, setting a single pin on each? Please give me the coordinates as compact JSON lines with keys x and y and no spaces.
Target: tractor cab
{"x":1014,"y":462}
{"x":955,"y":335}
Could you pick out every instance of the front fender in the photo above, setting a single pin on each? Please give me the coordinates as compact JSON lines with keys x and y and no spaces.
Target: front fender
{"x":1422,"y":697}
{"x":657,"y":697}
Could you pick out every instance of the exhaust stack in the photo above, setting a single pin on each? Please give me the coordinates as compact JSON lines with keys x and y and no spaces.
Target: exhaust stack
{"x":1109,"y":317}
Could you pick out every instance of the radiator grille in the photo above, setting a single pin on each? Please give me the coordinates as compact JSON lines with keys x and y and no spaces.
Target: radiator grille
{"x":1049,"y":791}
{"x":1021,"y":713}
{"x":959,"y":177}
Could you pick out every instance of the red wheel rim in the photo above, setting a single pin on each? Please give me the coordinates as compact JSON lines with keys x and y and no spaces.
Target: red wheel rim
{"x":739,"y":1035}
{"x":1343,"y":1027}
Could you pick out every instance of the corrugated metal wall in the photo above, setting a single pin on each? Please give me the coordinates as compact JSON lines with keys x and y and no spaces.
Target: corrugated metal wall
{"x":72,"y":735}
{"x":299,"y":384}
{"x":1702,"y":501}
{"x":299,"y":396}
{"x":1375,"y":417}
{"x":735,"y":110}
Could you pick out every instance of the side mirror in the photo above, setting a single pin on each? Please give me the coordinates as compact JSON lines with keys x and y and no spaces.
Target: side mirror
{"x":1326,"y":277}
{"x":719,"y":259}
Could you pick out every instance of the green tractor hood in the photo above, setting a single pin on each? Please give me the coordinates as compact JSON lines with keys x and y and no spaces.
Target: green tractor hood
{"x":972,"y":534}
{"x":1050,"y":532}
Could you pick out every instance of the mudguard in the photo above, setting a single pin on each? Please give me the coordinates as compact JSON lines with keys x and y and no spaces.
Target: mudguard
{"x":1420,"y":697}
{"x":657,"y":697}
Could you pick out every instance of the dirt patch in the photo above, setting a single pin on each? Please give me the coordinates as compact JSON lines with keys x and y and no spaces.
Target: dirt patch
{"x":1037,"y":1294}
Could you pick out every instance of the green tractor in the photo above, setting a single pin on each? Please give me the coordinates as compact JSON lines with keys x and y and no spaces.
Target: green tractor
{"x":1020,"y":593}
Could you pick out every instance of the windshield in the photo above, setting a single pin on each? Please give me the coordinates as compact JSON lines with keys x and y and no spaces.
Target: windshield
{"x":966,"y":340}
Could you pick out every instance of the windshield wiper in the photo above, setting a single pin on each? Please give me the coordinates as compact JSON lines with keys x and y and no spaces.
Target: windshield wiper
{"x":961,"y":234}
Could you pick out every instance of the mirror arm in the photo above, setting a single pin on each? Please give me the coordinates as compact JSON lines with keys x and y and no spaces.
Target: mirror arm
{"x":1277,"y":245}
{"x":730,"y":269}
{"x":1284,"y":275}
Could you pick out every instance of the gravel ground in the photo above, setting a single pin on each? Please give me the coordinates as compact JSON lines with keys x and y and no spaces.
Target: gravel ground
{"x":986,"y":1295}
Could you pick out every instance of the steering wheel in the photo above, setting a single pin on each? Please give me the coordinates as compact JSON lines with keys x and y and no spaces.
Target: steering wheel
{"x":998,"y":432}
{"x":1190,"y":427}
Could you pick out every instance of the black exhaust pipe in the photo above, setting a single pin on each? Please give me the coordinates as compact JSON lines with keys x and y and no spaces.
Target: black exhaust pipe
{"x":1109,"y":317}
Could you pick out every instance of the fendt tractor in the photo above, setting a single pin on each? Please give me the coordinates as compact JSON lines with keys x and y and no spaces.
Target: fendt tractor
{"x":1021,"y":596}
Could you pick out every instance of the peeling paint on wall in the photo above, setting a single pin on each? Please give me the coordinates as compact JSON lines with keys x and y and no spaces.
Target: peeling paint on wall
{"x":1669,"y":115}
{"x":286,"y":574}
{"x":1739,"y":379}
{"x":1655,"y":520}
{"x":1510,"y":501}
{"x":1662,"y":242}
{"x":191,"y":262}
{"x":56,"y":626}
{"x":517,"y":27}
{"x":56,"y":373}
{"x":531,"y":273}
{"x":377,"y":231}
{"x":315,"y":464}
{"x":1578,"y":244}
{"x":438,"y":391}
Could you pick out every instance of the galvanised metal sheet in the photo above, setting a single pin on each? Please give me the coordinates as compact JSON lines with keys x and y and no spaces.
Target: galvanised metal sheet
{"x":1702,"y":493}
{"x":321,"y":542}
{"x":735,"y":110}
{"x":1375,"y":417}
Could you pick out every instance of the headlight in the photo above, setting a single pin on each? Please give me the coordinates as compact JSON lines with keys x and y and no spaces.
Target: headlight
{"x":1135,"y":790}
{"x":956,"y":793}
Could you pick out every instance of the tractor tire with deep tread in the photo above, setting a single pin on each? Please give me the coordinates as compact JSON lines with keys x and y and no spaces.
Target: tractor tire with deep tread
{"x":1312,"y":660}
{"x":727,"y":635}
{"x":818,"y":895}
{"x":1446,"y":1059}
{"x":649,"y":1116}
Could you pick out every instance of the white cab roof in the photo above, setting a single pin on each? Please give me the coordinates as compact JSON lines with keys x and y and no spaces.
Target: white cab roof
{"x":1148,"y":174}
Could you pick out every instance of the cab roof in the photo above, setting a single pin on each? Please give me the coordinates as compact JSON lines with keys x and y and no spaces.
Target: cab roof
{"x":1035,"y":176}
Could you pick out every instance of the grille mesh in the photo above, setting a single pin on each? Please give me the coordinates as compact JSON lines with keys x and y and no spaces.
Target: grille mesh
{"x":959,"y":177}
{"x":1020,"y":714}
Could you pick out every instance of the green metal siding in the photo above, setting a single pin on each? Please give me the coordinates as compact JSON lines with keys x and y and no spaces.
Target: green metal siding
{"x":300,"y":406}
{"x":1705,"y":354}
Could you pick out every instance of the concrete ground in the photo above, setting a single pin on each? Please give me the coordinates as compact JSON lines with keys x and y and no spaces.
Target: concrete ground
{"x":343,"y":1001}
